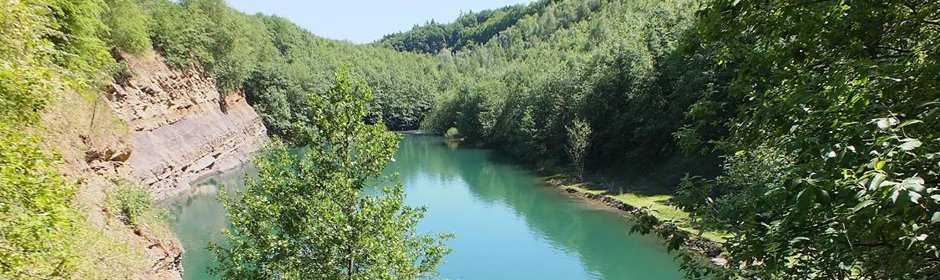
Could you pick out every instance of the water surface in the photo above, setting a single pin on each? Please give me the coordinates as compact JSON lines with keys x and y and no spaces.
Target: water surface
{"x":508,"y":224}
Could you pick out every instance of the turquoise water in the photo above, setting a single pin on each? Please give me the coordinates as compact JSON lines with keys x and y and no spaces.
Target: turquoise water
{"x":508,"y":225}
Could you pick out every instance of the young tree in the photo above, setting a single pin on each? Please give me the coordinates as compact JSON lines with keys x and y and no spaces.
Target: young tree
{"x":306,"y":216}
{"x":579,"y":138}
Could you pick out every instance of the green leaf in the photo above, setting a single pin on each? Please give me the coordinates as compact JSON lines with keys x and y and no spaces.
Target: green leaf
{"x":915,"y":197}
{"x":822,"y":196}
{"x":936,"y":218}
{"x":884,"y":123}
{"x":862,"y":205}
{"x":798,"y":239}
{"x":804,"y":199}
{"x":909,"y":144}
{"x":915,"y":184}
{"x":876,"y":180}
{"x":909,"y":122}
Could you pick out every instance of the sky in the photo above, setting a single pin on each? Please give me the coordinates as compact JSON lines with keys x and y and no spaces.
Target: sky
{"x":364,"y":21}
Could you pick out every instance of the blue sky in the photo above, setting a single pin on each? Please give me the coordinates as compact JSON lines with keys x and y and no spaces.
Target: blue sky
{"x":364,"y":21}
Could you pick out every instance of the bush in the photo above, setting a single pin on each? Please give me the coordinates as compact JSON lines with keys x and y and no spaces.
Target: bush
{"x":131,"y":202}
{"x":35,"y":217}
{"x":46,"y":48}
{"x":452,"y":133}
{"x":180,"y":33}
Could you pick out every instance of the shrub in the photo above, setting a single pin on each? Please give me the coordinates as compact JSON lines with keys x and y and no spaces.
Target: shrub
{"x":35,"y":217}
{"x":452,"y":133}
{"x":131,"y":202}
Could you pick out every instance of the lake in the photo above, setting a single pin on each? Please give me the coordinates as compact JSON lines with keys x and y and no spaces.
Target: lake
{"x":507,"y":223}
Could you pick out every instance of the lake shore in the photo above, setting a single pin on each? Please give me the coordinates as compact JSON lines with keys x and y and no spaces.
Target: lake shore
{"x":706,"y":244}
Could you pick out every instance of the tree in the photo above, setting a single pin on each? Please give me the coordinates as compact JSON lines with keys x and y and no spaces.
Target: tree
{"x":846,"y":94}
{"x":127,"y":26}
{"x":579,"y":138}
{"x":306,"y":216}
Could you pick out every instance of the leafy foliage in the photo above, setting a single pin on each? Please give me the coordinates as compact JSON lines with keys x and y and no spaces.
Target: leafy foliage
{"x":46,"y":48}
{"x":307,"y":216}
{"x":128,"y":26}
{"x":613,"y":63}
{"x":468,"y":29}
{"x":36,"y":220}
{"x":845,"y":193}
{"x":132,"y":203}
{"x":275,"y":62}
{"x":824,"y":112}
{"x":452,"y":133}
{"x":579,"y":138}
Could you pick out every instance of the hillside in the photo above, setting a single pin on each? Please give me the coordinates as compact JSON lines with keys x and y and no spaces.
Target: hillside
{"x":275,"y":62}
{"x":813,"y":123}
{"x":806,"y":131}
{"x":467,"y":30}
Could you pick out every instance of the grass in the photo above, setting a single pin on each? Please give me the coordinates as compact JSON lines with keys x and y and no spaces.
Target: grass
{"x":658,"y":208}
{"x":655,"y":203}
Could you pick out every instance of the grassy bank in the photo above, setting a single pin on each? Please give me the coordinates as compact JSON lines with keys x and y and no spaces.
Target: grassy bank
{"x":657,"y":205}
{"x":708,"y":243}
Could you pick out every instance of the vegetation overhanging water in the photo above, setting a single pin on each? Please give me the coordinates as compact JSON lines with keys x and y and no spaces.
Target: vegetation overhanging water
{"x":507,"y":223}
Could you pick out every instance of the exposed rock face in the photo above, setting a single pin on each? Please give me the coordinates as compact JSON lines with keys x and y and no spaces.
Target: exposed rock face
{"x":95,"y":147}
{"x":183,"y":129}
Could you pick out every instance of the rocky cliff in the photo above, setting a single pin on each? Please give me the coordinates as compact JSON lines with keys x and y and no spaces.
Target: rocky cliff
{"x":165,"y":128}
{"x":182,"y":128}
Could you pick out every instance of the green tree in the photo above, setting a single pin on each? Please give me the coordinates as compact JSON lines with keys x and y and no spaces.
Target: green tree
{"x":47,"y":48}
{"x":307,"y":216}
{"x":127,"y":23}
{"x":579,"y":138}
{"x":846,"y":94}
{"x":180,"y":32}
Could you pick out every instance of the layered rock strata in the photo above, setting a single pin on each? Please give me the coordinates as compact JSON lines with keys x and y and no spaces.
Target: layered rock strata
{"x":183,"y":128}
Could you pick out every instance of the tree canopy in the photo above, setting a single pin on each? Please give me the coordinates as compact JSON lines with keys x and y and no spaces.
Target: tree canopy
{"x":307,"y":215}
{"x":819,"y":117}
{"x":816,"y":121}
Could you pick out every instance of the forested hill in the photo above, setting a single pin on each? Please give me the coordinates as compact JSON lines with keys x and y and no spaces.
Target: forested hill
{"x":277,"y":62}
{"x":611,"y":63}
{"x":467,"y":30}
{"x":820,"y":117}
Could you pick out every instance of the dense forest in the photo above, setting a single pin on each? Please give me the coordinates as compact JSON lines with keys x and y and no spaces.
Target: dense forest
{"x":822,"y":117}
{"x":817,"y":121}
{"x":276,"y":62}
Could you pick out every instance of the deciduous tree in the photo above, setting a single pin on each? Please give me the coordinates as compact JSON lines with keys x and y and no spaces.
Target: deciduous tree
{"x":308,"y":216}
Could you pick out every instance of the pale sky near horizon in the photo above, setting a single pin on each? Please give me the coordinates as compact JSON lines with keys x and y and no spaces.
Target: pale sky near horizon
{"x":364,"y":21}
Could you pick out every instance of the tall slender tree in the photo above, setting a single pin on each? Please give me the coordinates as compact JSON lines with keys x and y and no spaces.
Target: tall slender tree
{"x":579,"y":138}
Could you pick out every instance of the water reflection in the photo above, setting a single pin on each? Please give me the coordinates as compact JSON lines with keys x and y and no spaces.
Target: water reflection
{"x":198,"y":218}
{"x":516,"y":227}
{"x":508,"y":225}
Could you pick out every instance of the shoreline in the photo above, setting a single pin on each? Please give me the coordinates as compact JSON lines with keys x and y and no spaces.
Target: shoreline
{"x":707,"y":247}
{"x":701,"y":246}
